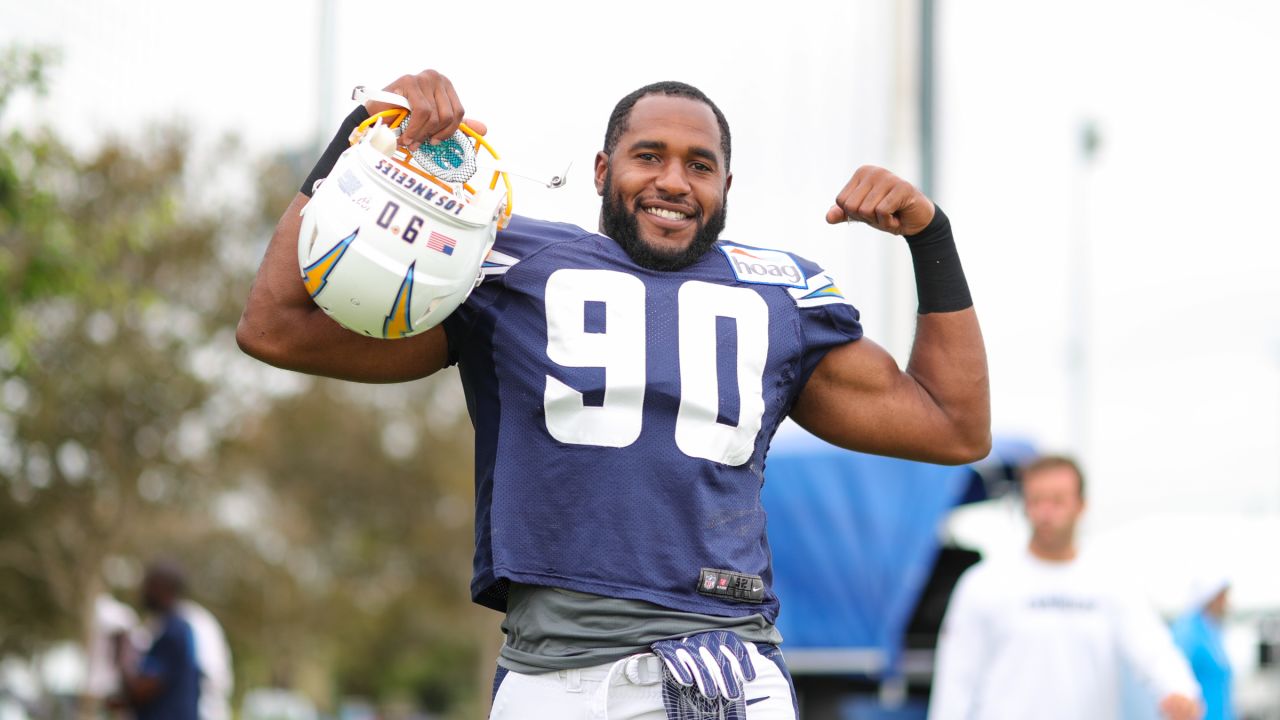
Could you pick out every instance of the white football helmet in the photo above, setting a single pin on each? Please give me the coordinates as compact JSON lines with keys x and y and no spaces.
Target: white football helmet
{"x":392,"y":242}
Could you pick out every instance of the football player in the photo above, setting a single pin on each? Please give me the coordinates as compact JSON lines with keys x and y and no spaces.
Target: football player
{"x":625,"y":384}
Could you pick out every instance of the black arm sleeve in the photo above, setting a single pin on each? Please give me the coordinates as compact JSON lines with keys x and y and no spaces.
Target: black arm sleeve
{"x":336,"y":147}
{"x":940,"y":282}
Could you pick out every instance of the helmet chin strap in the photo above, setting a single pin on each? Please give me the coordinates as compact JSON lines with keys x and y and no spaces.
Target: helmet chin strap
{"x":361,"y":94}
{"x":553,"y":181}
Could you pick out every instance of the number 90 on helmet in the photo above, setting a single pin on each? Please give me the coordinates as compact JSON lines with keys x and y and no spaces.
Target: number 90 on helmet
{"x":386,"y":248}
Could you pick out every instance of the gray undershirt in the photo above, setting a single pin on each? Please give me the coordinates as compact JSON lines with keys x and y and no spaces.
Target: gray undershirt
{"x":553,"y":629}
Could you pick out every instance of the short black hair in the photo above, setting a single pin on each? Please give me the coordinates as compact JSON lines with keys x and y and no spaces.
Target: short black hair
{"x":168,"y":573}
{"x":1054,"y":462}
{"x":671,"y":88}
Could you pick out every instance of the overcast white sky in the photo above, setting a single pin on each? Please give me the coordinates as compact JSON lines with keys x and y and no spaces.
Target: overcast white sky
{"x":1176,"y":297}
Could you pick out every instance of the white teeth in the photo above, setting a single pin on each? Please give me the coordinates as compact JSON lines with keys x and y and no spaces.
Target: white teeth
{"x":668,"y":214}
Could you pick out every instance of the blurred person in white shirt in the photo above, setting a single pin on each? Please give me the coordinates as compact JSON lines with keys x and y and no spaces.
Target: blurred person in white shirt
{"x":213,"y":657}
{"x":1044,"y":634}
{"x":114,"y":624}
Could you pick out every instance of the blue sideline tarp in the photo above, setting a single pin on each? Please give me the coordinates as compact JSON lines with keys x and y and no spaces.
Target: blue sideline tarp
{"x":854,"y":539}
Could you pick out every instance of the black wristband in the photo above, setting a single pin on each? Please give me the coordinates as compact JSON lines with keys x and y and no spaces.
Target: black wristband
{"x":340,"y":142}
{"x":940,"y":283}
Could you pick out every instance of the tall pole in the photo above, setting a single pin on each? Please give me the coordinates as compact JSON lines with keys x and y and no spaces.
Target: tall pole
{"x":324,"y":74}
{"x":911,"y":152}
{"x":1080,"y":299}
{"x":926,"y":99}
{"x":913,"y":144}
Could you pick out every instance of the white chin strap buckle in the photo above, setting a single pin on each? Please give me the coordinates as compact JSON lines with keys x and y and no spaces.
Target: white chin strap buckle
{"x":554,"y":181}
{"x":360,"y":94}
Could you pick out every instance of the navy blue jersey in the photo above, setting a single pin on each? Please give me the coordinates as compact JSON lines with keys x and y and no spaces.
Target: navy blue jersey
{"x":622,"y":414}
{"x":172,"y":660}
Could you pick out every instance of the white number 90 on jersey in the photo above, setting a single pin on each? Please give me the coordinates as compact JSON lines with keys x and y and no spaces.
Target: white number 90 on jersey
{"x":621,"y":351}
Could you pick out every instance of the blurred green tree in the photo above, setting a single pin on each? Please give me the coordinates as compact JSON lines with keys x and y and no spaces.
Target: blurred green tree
{"x":113,"y":284}
{"x":326,"y":524}
{"x":28,"y":207}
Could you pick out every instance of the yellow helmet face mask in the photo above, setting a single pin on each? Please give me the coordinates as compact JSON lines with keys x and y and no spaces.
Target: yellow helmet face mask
{"x":393,"y":241}
{"x":448,"y":164}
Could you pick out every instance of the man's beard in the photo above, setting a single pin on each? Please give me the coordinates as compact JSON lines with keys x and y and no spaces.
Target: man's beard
{"x":621,"y":225}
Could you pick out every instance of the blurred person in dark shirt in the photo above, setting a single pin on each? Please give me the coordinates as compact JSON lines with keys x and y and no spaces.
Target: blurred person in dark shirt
{"x":165,"y":683}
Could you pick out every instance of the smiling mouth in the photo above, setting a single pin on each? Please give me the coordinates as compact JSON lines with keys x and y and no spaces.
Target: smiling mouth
{"x":668,"y":214}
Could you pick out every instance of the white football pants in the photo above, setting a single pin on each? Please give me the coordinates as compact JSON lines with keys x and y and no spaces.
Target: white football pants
{"x":629,"y":689}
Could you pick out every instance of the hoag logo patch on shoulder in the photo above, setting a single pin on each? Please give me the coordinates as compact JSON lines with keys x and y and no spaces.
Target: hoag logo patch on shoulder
{"x":764,"y":267}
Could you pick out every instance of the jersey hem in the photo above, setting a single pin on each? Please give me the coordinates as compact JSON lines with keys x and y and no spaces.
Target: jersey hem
{"x":671,"y":601}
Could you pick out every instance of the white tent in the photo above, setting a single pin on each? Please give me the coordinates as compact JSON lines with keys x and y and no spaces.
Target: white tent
{"x":1165,"y":554}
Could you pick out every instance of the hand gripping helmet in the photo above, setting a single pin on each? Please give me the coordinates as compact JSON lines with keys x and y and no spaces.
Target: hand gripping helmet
{"x":392,"y":241}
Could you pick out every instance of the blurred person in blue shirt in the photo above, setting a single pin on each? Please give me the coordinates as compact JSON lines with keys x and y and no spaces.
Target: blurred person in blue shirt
{"x":165,"y":684}
{"x":1198,"y":633}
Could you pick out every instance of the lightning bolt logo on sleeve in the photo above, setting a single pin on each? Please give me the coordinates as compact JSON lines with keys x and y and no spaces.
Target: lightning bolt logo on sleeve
{"x":824,"y":292}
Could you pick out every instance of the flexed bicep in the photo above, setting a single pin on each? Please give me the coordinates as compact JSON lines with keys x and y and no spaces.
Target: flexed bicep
{"x":937,"y":410}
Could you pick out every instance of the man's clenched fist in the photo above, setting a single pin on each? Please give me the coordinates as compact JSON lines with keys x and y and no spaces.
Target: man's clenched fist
{"x":436,"y":109}
{"x":882,"y":200}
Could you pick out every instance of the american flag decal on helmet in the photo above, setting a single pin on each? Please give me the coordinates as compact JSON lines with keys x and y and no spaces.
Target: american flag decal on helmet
{"x":441,"y":243}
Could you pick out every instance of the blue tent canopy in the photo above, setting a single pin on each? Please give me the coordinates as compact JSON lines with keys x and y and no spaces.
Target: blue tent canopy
{"x":854,"y":539}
